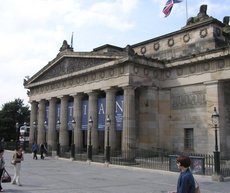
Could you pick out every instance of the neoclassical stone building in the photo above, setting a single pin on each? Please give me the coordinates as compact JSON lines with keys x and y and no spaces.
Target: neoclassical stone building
{"x":158,"y":93}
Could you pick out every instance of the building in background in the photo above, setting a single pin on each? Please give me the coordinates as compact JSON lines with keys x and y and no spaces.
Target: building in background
{"x":159,"y":93}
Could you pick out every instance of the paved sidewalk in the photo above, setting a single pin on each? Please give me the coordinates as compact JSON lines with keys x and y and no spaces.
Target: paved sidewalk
{"x":65,"y":176}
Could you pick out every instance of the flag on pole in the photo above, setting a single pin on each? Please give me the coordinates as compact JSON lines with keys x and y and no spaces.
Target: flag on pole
{"x":169,"y":5}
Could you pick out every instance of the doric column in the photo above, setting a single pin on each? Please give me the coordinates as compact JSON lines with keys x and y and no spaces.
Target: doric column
{"x":52,"y":124}
{"x":33,"y":119}
{"x":63,"y":135}
{"x":129,"y":129}
{"x":77,"y":117}
{"x":110,"y":111}
{"x":93,"y":113}
{"x":212,"y":100}
{"x":41,"y":120}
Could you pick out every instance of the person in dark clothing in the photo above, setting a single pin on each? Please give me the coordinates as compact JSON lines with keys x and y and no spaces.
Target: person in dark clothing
{"x":186,"y":182}
{"x":35,"y":150}
{"x":43,"y":150}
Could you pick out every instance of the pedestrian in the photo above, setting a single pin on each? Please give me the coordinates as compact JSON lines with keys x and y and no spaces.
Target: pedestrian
{"x":2,"y":167}
{"x":35,"y":150}
{"x":43,"y":150}
{"x":186,"y":182}
{"x":18,"y":158}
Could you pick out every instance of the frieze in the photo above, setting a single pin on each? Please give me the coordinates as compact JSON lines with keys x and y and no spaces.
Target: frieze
{"x":200,"y":67}
{"x":155,"y":73}
{"x":111,"y":72}
{"x":146,"y":71}
{"x":135,"y":69}
{"x":93,"y":76}
{"x":122,"y":70}
{"x":188,"y":100}
{"x":179,"y":71}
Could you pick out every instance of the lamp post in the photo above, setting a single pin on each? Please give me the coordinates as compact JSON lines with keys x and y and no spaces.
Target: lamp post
{"x":17,"y":135}
{"x":107,"y":149}
{"x":23,"y":136}
{"x":58,"y":144}
{"x":72,"y":142}
{"x":89,"y":149}
{"x":215,"y":121}
{"x":45,"y":130}
{"x":35,"y":131}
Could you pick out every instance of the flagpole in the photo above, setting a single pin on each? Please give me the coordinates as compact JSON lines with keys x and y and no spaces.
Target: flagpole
{"x":186,"y":10}
{"x":72,"y":40}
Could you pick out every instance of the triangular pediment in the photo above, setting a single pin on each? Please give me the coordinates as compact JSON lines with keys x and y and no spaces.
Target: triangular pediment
{"x":67,"y":65}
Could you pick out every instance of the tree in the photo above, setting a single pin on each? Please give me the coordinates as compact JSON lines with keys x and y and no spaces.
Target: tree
{"x":12,"y":113}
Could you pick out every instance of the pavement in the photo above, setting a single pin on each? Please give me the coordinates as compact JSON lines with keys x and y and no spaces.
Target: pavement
{"x":57,"y":175}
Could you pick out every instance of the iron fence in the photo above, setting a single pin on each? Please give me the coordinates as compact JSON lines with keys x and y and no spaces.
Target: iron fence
{"x":154,"y":159}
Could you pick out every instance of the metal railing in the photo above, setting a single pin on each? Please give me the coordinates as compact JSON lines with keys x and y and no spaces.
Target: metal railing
{"x":154,"y":159}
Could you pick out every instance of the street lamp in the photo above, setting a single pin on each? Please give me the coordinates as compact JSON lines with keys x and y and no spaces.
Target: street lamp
{"x":35,"y":131}
{"x":215,"y":121}
{"x":107,"y":149}
{"x":89,"y":149}
{"x":45,"y":129}
{"x":24,"y":136}
{"x":72,"y":144}
{"x":58,"y":144}
{"x":17,"y":134}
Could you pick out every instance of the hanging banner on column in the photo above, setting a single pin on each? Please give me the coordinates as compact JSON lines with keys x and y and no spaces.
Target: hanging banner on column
{"x":101,"y":114}
{"x":70,"y":115}
{"x":119,"y":112}
{"x":84,"y":113}
{"x":58,"y":109}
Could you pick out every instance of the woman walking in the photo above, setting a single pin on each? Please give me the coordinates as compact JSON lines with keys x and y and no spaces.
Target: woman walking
{"x":17,"y":157}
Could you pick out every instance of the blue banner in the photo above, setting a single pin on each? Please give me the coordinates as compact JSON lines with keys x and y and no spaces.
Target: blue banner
{"x":70,"y":116}
{"x":58,"y":109}
{"x":101,"y":114}
{"x":119,"y":112}
{"x":84,"y":113}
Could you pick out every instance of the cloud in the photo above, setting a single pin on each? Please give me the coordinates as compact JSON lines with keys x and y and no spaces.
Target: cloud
{"x":112,"y":14}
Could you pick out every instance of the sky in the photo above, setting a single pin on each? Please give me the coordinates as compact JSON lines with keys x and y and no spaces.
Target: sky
{"x":32,"y":31}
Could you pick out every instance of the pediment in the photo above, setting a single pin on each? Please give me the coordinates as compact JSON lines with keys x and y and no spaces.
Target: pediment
{"x":69,"y":65}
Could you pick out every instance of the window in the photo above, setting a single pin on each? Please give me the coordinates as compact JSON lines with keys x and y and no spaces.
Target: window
{"x":188,"y":138}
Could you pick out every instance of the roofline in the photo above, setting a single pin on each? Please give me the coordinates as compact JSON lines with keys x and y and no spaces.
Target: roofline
{"x":182,"y":30}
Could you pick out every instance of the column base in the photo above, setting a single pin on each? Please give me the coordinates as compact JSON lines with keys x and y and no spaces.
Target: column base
{"x":217,"y":178}
{"x":107,"y":164}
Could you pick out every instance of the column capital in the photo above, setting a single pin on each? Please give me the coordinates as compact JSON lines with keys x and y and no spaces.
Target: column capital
{"x":129,"y":87}
{"x":78,"y":95}
{"x":110,"y":90}
{"x":52,"y":98}
{"x":210,"y":83}
{"x":93,"y":93}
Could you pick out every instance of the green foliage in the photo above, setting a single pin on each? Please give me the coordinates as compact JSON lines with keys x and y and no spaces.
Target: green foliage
{"x":10,"y":114}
